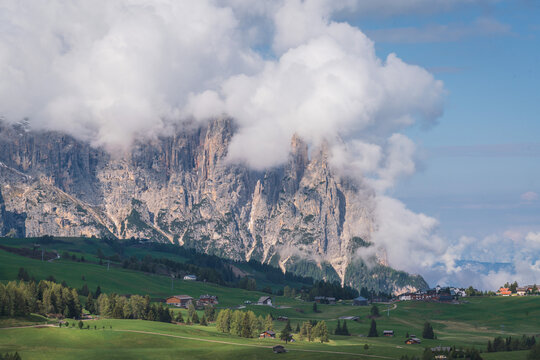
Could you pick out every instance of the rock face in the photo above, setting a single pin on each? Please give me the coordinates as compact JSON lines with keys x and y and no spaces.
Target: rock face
{"x":181,"y":189}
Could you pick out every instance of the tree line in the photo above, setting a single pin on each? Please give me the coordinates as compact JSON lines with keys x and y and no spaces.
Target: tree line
{"x":242,"y":323}
{"x":9,"y":356}
{"x":46,"y":297}
{"x":511,"y":343}
{"x":134,"y":307}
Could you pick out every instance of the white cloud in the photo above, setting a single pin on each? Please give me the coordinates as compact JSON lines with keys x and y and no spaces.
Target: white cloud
{"x":331,"y":86}
{"x":529,"y":196}
{"x":111,"y":71}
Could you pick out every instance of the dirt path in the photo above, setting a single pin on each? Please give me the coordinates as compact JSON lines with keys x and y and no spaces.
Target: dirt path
{"x":253,"y":345}
{"x":29,"y":326}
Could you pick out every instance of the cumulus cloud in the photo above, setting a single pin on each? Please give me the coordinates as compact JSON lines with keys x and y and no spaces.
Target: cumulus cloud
{"x":327,"y":84}
{"x":108,"y":72}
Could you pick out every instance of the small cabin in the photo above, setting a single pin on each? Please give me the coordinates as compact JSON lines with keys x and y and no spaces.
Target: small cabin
{"x":412,"y":340}
{"x":388,"y":332}
{"x":190,"y":277}
{"x":265,"y":300}
{"x":267,"y":334}
{"x":360,"y":301}
{"x":279,"y":349}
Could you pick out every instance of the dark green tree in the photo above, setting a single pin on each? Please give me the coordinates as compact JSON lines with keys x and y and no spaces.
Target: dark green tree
{"x":373,"y":329}
{"x":428,"y":333}
{"x":285,"y":335}
{"x":179,"y":317}
{"x":344,"y":330}
{"x":375,"y":311}
{"x":90,"y":306}
{"x":81,"y":324}
{"x":315,"y":310}
{"x":195,"y":318}
{"x":203,"y":321}
{"x":338,"y":328}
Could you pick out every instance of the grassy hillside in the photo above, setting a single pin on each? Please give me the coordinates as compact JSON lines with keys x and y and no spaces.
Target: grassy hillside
{"x":469,"y":324}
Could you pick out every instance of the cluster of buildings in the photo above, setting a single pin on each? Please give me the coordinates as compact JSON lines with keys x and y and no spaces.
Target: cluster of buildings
{"x":325,"y":300}
{"x":520,"y":291}
{"x":446,"y":294}
{"x":184,"y":301}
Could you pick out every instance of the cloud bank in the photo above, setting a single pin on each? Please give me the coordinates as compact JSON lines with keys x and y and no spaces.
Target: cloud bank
{"x":112,"y":72}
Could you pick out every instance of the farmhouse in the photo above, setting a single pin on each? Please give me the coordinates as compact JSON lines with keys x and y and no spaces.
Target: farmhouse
{"x":405,"y":297}
{"x":360,"y":301}
{"x":190,"y":277}
{"x":268,"y":334}
{"x":412,"y":340}
{"x":388,"y":332}
{"x":180,"y":300}
{"x":504,"y":292}
{"x":265,"y":300}
{"x":521,"y":291}
{"x":207,"y":300}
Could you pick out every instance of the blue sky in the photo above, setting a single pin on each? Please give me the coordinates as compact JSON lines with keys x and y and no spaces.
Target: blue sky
{"x":484,"y":153}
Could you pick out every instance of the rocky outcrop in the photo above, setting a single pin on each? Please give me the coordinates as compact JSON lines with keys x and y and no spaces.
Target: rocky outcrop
{"x":301,"y":216}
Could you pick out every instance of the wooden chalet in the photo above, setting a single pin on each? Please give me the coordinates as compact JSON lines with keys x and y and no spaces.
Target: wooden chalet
{"x":207,"y":300}
{"x":265,"y":300}
{"x":413,"y":340}
{"x":267,"y":334}
{"x":388,"y":332}
{"x":180,"y":300}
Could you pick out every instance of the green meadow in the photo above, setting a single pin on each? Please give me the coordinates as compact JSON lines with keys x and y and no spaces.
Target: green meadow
{"x":469,"y":324}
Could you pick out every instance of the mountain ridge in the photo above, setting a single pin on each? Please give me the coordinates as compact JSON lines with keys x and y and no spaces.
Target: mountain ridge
{"x":181,"y":188}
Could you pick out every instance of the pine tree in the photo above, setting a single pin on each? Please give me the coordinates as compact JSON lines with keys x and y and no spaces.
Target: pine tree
{"x":179,"y":317}
{"x":344,"y":330}
{"x":321,"y":331}
{"x":203,"y":321}
{"x":315,"y":310}
{"x":338,"y":328}
{"x":98,"y":292}
{"x":90,"y":306}
{"x":191,"y":309}
{"x":297,"y":330}
{"x":195,"y":318}
{"x":373,"y":329}
{"x":81,"y":324}
{"x":245,"y":330}
{"x":285,"y":335}
{"x":427,"y":333}
{"x":288,"y":325}
{"x":375,"y":311}
{"x":305,"y":331}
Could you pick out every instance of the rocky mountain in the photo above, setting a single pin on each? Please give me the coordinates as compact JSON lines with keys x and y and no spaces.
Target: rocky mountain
{"x":301,"y":216}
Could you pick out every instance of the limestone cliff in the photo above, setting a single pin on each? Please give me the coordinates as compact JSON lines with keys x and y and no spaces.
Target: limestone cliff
{"x":301,"y":216}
